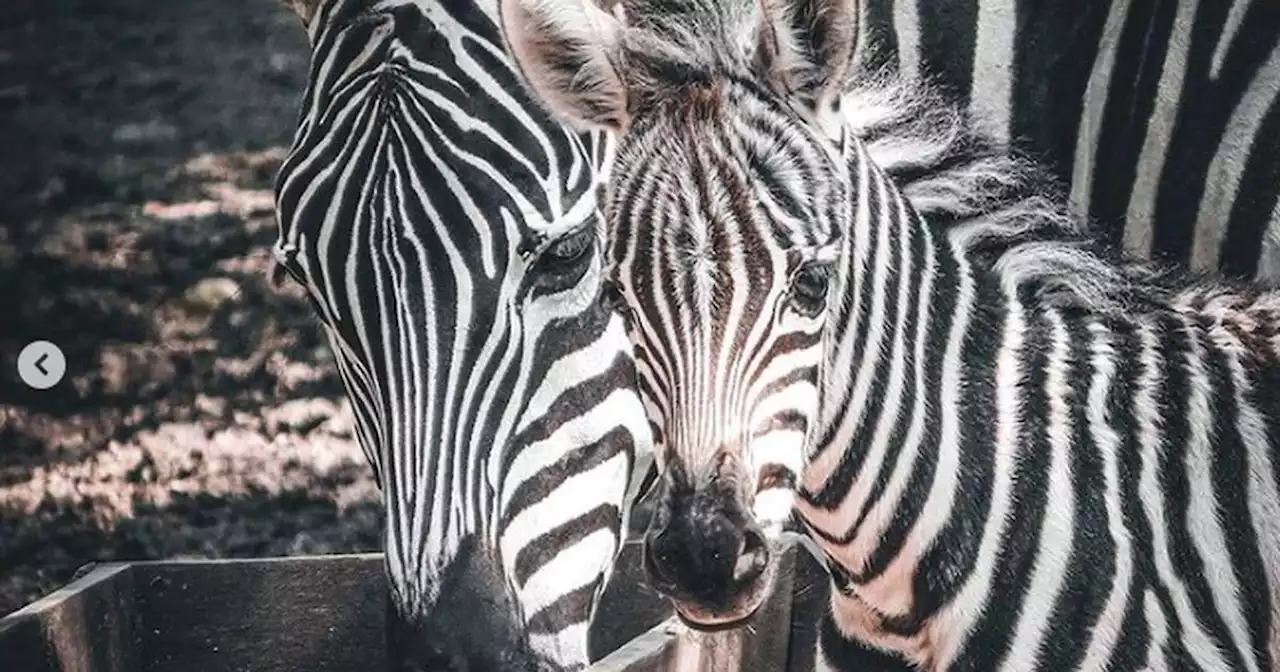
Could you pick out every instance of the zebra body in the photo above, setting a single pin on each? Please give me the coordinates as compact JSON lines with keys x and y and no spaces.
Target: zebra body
{"x":1162,"y":116}
{"x":1026,"y":472}
{"x":1016,"y":450}
{"x":447,"y":233}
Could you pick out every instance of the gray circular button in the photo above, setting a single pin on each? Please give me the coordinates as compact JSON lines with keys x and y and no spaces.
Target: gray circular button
{"x":41,"y":364}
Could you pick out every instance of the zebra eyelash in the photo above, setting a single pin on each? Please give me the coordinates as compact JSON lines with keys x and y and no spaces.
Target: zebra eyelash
{"x":559,"y":263}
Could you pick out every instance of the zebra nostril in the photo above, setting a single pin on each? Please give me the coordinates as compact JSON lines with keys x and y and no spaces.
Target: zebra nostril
{"x":658,"y":559}
{"x":753,"y":558}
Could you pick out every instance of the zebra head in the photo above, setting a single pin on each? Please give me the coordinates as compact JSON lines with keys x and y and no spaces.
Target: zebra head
{"x":725,"y":210}
{"x":447,"y":232}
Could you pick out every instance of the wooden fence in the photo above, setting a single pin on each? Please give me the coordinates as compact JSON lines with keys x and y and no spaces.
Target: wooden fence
{"x":327,"y":613}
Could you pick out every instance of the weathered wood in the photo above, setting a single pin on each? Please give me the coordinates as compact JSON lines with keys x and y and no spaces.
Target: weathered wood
{"x":299,"y":613}
{"x":86,"y":626}
{"x":322,"y":613}
{"x":810,"y":595}
{"x":653,"y":650}
{"x":628,"y":608}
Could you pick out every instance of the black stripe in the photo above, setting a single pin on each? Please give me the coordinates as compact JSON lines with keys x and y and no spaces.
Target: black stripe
{"x":946,"y":565}
{"x":992,"y":634}
{"x":1056,"y":46}
{"x":880,"y":48}
{"x":1230,"y":473}
{"x":947,"y":43}
{"x":568,"y":406}
{"x":1091,"y":565}
{"x":543,"y":549}
{"x":1257,"y":200}
{"x":1130,"y":100}
{"x":580,"y":460}
{"x":912,"y":330}
{"x":1187,"y":563}
{"x":572,"y":607}
{"x":851,"y":654}
{"x":1135,"y":632}
{"x":850,"y":465}
{"x":1201,"y":126}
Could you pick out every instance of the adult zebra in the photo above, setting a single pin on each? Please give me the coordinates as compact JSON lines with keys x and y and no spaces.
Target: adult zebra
{"x":447,"y":233}
{"x":1018,"y":451}
{"x":1164,"y":116}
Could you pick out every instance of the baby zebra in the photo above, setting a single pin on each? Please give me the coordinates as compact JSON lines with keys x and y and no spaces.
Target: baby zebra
{"x":1015,"y":451}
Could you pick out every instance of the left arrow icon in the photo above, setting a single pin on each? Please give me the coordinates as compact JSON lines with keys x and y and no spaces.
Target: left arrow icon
{"x":41,"y":365}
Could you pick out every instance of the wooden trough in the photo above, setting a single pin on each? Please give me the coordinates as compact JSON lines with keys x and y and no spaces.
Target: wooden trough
{"x":326,"y":613}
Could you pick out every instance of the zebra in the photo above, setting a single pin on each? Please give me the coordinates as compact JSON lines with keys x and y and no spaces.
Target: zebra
{"x":447,"y":235}
{"x":1161,"y":116}
{"x":1018,"y":447}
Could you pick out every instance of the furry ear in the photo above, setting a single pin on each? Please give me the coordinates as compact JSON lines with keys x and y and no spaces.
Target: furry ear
{"x":305,"y":9}
{"x":807,"y":47}
{"x":568,"y":51}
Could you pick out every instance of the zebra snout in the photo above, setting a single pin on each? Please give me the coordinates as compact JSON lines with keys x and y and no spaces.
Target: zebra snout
{"x":702,"y":551}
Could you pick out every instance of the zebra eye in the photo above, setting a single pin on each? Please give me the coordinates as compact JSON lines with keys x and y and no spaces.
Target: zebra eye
{"x":809,"y":288}
{"x":565,"y":261}
{"x":571,"y":247}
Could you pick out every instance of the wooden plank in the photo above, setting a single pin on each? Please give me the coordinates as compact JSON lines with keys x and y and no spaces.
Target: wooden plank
{"x":651,"y":651}
{"x":87,"y":625}
{"x":299,"y":613}
{"x":810,"y":593}
{"x":629,"y":608}
{"x":328,"y":613}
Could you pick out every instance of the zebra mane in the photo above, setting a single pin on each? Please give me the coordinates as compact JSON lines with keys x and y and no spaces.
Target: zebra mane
{"x":1002,"y":208}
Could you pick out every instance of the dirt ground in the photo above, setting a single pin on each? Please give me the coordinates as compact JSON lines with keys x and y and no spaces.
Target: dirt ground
{"x":201,"y":415}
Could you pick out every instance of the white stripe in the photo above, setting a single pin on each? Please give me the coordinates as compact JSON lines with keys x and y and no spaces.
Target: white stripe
{"x":1095,"y":104}
{"x":1106,"y":632}
{"x":574,"y":435}
{"x":1159,"y":630}
{"x":1058,"y":530}
{"x":1155,"y":146}
{"x":576,"y":496}
{"x":569,"y":644}
{"x":1203,"y":523}
{"x":979,"y":589}
{"x":574,"y":567}
{"x":991,"y":97}
{"x":1234,"y":18}
{"x":1263,"y":496}
{"x":906,"y":22}
{"x":1150,"y":418}
{"x":1222,"y":182}
{"x":1269,"y":259}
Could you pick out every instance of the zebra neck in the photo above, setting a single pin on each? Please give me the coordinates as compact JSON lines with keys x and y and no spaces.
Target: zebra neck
{"x":917,"y":319}
{"x":901,"y":286}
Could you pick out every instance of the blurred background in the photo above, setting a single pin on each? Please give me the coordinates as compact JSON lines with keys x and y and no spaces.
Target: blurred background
{"x":200,"y":415}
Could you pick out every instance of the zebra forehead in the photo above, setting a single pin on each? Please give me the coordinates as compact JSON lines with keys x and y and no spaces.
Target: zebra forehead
{"x":706,"y":189}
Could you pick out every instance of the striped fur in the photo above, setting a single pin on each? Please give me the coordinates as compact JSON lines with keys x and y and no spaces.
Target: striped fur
{"x":1162,"y":116}
{"x":1025,"y":452}
{"x":448,"y":234}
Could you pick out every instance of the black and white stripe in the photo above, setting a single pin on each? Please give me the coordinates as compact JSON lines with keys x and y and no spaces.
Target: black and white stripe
{"x":448,"y":234}
{"x":1076,"y":472}
{"x":1163,"y":116}
{"x":1027,"y":453}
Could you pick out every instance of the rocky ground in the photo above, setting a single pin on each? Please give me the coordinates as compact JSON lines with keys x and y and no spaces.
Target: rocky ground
{"x":201,"y":414}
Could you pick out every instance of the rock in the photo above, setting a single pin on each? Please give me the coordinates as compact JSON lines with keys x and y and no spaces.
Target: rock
{"x":150,"y":131}
{"x":210,"y":293}
{"x":189,"y":210}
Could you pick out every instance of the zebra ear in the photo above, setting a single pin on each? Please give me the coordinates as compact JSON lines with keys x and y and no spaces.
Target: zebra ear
{"x":567,"y":51}
{"x":806,"y":47}
{"x":305,"y":9}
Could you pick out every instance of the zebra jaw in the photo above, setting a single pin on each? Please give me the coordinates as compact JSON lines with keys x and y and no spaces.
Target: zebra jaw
{"x":739,"y":612}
